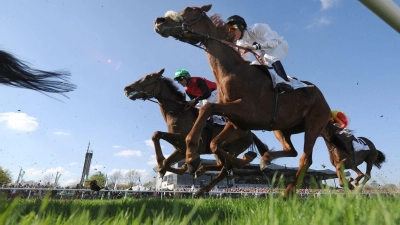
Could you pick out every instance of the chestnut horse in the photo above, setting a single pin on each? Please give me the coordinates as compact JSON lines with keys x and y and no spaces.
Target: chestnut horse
{"x":343,"y":154}
{"x":179,"y":122}
{"x":16,"y":73}
{"x":246,"y":96}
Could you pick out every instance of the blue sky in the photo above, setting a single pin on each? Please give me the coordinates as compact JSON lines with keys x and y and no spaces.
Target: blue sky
{"x":340,"y":46}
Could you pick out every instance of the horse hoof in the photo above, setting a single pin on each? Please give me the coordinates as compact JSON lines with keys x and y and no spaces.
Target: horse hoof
{"x":264,"y":164}
{"x":194,"y":165}
{"x":197,"y":174}
{"x":249,"y":156}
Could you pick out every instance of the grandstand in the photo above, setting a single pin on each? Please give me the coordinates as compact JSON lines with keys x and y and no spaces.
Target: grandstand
{"x":249,"y":176}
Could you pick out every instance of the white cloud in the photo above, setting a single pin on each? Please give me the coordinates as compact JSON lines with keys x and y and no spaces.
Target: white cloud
{"x":61,"y":133}
{"x":73,"y":163}
{"x":19,"y":121}
{"x":152,"y":161}
{"x":326,"y":4}
{"x":96,"y":167}
{"x":117,"y":146}
{"x":320,"y":22}
{"x":128,"y":153}
{"x":149,"y":143}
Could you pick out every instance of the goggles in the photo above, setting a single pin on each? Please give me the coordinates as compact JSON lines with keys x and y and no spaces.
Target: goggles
{"x":179,"y":79}
{"x":233,"y":27}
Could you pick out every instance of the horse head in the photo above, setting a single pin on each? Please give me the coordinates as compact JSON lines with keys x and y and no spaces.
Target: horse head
{"x":180,"y":25}
{"x":146,"y":87}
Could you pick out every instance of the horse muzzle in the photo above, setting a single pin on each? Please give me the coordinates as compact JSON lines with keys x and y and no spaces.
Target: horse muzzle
{"x":131,"y":95}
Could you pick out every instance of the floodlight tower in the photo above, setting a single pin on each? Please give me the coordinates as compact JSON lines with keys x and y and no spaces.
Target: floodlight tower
{"x":86,"y":166}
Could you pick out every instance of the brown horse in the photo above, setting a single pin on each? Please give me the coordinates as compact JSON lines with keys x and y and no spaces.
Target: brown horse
{"x":179,"y":122}
{"x":344,"y":154}
{"x":16,"y":73}
{"x":246,"y":95}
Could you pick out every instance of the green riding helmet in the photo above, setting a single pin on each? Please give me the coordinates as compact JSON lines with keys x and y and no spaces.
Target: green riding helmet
{"x":182,"y":73}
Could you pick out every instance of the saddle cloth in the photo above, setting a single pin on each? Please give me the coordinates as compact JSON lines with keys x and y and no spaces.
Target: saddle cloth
{"x":220,"y":120}
{"x":292,"y":82}
{"x":359,"y":144}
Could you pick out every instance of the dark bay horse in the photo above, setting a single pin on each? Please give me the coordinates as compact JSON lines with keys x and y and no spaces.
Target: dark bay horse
{"x":16,"y":73}
{"x":246,"y":95}
{"x":179,"y":123}
{"x":343,"y":154}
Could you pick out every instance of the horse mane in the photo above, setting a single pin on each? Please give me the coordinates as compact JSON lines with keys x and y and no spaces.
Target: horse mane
{"x":174,"y":89}
{"x":222,"y":27}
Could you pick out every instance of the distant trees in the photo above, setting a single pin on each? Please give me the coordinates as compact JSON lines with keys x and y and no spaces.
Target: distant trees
{"x":5,"y":176}
{"x":99,"y":177}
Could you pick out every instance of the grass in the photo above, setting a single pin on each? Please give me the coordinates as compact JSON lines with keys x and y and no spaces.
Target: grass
{"x":346,"y":209}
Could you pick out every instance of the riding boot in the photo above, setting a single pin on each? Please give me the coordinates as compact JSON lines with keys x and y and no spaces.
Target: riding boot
{"x":282,"y":87}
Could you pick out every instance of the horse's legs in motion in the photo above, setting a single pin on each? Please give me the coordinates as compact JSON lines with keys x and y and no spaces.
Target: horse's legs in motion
{"x":222,"y":174}
{"x":192,"y":139}
{"x":240,"y":140}
{"x":360,"y":175}
{"x":287,"y":145}
{"x":178,"y":141}
{"x":314,"y":123}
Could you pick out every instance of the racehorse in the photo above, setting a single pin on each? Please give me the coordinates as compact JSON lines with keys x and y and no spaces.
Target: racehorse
{"x":246,"y":95}
{"x":350,"y":157}
{"x":16,"y":73}
{"x":179,"y":122}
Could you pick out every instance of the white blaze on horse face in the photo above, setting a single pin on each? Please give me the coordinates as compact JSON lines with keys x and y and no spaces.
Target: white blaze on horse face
{"x":174,"y":16}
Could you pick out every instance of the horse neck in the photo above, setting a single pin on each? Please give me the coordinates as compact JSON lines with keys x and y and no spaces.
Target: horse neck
{"x":221,"y":59}
{"x":168,"y":103}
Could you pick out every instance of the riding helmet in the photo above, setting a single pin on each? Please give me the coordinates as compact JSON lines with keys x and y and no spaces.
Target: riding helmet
{"x":181,"y":73}
{"x":235,"y":19}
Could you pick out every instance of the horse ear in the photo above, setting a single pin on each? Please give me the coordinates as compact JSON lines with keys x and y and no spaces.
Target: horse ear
{"x":161,"y":71}
{"x":206,"y":8}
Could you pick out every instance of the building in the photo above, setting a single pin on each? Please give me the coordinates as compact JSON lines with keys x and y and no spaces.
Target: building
{"x":249,"y":176}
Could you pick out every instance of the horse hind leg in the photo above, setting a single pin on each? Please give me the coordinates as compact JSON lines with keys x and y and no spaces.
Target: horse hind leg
{"x":360,"y":175}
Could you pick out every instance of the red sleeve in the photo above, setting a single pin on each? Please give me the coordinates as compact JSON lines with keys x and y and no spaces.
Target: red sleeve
{"x":343,"y":118}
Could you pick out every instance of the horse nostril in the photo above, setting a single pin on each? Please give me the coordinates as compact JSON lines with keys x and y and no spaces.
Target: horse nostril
{"x":159,"y":20}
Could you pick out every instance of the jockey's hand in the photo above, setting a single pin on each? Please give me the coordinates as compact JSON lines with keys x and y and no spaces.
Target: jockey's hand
{"x":191,"y":104}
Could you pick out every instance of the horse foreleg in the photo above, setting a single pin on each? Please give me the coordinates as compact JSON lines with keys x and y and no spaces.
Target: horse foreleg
{"x":288,"y":149}
{"x":239,"y":140}
{"x":177,"y":140}
{"x":222,"y":174}
{"x":205,"y":168}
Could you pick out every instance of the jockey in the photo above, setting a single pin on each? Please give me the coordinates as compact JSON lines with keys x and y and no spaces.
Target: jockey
{"x":200,"y":91}
{"x":265,"y":42}
{"x":339,"y":119}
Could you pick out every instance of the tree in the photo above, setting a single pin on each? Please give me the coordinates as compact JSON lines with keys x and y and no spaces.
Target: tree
{"x":151,"y":183}
{"x":5,"y":176}
{"x":115,"y":177}
{"x":132,"y":177}
{"x":99,"y":177}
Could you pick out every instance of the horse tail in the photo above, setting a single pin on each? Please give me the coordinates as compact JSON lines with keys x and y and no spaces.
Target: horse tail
{"x":381,"y":158}
{"x":261,"y":147}
{"x":16,"y":73}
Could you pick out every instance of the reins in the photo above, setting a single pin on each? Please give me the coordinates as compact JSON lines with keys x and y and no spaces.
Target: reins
{"x":186,"y":28}
{"x":150,"y":94}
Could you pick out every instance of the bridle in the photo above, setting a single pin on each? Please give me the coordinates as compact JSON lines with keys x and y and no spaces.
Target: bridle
{"x":149,"y":95}
{"x":185,"y":26}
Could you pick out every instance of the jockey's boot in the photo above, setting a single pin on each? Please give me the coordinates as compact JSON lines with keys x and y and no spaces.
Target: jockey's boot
{"x":282,"y":87}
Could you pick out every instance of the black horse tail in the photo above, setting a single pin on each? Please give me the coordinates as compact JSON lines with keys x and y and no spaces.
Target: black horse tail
{"x":381,"y":158}
{"x":261,"y":147}
{"x":16,"y":73}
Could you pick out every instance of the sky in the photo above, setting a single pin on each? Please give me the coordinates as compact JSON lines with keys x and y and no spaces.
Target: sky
{"x":339,"y":45}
